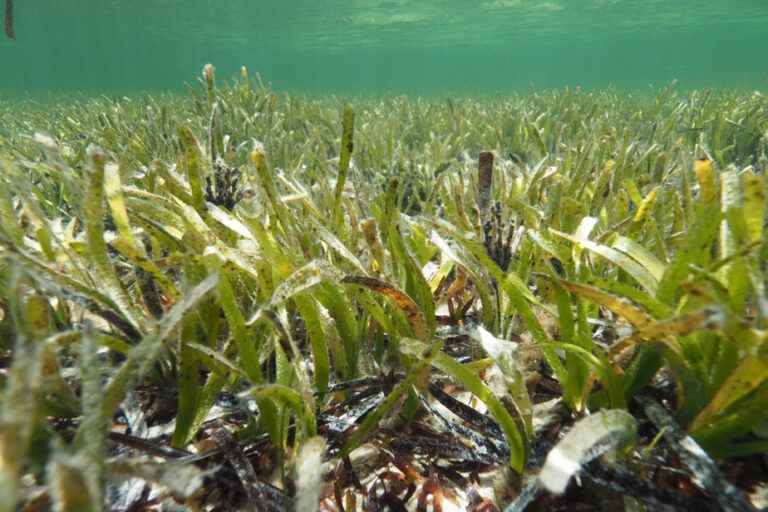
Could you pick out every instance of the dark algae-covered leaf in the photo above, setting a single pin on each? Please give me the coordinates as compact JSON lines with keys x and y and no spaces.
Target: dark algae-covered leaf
{"x":703,"y":469}
{"x":371,"y":420}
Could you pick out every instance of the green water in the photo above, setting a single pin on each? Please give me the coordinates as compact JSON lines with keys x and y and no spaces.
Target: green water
{"x":386,"y":46}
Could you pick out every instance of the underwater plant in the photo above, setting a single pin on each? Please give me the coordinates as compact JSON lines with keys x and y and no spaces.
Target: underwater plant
{"x":237,"y":299}
{"x":9,"y":32}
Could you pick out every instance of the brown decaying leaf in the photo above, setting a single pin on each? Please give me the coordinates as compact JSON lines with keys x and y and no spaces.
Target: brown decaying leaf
{"x":402,"y":299}
{"x":619,"y":305}
{"x":668,"y":330}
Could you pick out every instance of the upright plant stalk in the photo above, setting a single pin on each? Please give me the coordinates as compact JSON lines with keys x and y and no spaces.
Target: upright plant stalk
{"x":94,"y":426}
{"x":194,"y":173}
{"x":94,"y":211}
{"x":258,"y":159}
{"x":22,"y":392}
{"x":9,"y":20}
{"x":347,"y":146}
{"x":484,"y":181}
{"x":209,"y":75}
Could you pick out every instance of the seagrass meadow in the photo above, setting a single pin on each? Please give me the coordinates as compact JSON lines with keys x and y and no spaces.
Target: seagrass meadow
{"x":234,"y":299}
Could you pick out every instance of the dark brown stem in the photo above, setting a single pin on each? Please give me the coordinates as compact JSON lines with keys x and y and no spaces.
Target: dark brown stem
{"x":9,"y":19}
{"x":484,"y":180}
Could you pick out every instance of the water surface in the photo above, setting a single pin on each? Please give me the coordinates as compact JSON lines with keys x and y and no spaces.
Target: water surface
{"x":390,"y":46}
